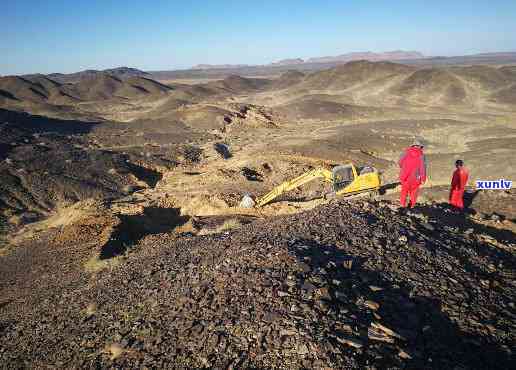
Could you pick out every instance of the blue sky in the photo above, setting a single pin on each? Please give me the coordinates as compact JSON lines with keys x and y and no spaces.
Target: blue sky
{"x":72,"y":35}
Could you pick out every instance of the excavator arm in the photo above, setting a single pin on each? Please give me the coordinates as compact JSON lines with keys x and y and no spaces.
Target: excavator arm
{"x":294,"y":183}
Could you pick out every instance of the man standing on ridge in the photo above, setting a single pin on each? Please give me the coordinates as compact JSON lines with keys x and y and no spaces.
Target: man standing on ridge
{"x":458,"y":185}
{"x":412,"y":172}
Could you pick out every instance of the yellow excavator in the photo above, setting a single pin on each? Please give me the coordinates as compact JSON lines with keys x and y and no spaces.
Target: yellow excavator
{"x":345,"y":180}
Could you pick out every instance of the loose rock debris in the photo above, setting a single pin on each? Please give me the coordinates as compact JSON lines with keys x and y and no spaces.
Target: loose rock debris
{"x":278,"y":294}
{"x":223,"y":150}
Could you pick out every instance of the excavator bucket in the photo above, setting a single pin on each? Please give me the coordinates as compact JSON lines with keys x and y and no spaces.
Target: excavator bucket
{"x":247,"y":202}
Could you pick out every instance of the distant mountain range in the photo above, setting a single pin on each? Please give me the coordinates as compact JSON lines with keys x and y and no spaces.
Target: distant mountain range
{"x":219,"y":66}
{"x":370,"y":56}
{"x":288,"y":62}
{"x":367,"y":55}
{"x":414,"y":58}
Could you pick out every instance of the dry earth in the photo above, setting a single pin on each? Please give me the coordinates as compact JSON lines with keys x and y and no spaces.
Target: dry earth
{"x":119,"y":214}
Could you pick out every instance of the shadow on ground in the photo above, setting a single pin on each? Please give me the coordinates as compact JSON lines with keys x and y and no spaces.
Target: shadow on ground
{"x":428,"y":335}
{"x":391,"y":186}
{"x":150,"y":177}
{"x":445,"y":214}
{"x":41,"y":124}
{"x":133,"y":228}
{"x":3,"y":232}
{"x":469,"y":197}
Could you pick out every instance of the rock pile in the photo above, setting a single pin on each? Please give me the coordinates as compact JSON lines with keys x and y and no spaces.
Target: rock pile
{"x":346,"y":285}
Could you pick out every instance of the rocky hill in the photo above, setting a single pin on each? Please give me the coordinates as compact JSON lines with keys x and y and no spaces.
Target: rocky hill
{"x":106,"y":86}
{"x":97,"y":86}
{"x":47,"y":164}
{"x":432,"y":84}
{"x":289,"y":78}
{"x":19,"y":88}
{"x":347,"y":285}
{"x":120,"y":72}
{"x":387,"y":84}
{"x":237,"y":84}
{"x":122,"y":242}
{"x":349,"y":74}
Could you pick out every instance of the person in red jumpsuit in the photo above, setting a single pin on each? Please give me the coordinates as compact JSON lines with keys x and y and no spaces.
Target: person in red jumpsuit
{"x":458,"y":185}
{"x":412,"y":172}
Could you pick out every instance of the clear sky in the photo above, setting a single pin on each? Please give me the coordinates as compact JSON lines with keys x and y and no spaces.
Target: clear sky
{"x":71,"y":35}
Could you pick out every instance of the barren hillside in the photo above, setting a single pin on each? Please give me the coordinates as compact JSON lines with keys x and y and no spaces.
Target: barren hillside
{"x":432,"y":86}
{"x":352,"y":73}
{"x":345,"y":285}
{"x":123,"y":242}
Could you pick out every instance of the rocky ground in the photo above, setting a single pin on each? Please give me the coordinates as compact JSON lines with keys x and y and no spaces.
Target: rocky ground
{"x":351,"y":284}
{"x":47,"y":164}
{"x":122,"y":243}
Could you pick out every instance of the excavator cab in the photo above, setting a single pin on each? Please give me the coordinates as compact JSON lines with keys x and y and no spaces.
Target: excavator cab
{"x":343,"y":176}
{"x":347,"y":179}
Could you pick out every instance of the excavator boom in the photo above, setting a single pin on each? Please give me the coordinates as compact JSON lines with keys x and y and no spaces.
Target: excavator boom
{"x":345,"y":180}
{"x":294,"y":183}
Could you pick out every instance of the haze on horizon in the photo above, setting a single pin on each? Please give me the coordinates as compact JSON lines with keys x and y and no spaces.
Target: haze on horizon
{"x":63,"y":36}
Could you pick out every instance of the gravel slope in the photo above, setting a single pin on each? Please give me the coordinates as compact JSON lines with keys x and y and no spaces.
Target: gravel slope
{"x":346,"y":285}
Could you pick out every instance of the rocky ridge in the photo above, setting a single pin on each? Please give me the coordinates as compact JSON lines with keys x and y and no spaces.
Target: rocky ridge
{"x":347,"y":285}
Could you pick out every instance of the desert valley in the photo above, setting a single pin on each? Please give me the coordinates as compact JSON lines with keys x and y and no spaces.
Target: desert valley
{"x":124,"y":243}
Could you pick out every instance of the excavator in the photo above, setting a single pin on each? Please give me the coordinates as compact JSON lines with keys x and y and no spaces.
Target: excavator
{"x":345,"y":179}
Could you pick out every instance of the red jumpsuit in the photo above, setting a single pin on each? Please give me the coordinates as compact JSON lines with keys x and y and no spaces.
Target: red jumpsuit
{"x":458,"y":184}
{"x":412,"y":174}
